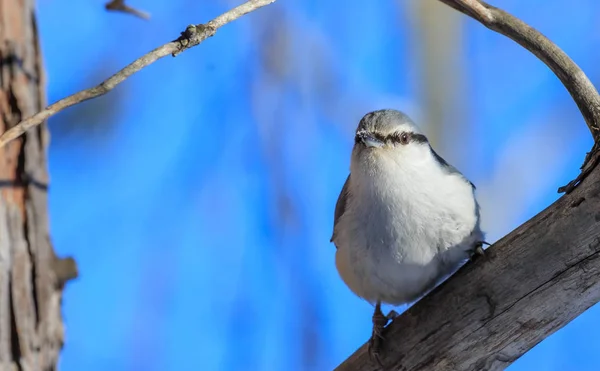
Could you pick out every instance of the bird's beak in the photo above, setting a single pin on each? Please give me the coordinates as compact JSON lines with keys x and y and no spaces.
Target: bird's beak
{"x":368,"y":139}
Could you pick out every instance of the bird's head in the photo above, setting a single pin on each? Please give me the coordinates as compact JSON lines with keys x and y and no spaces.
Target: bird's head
{"x":389,"y":135}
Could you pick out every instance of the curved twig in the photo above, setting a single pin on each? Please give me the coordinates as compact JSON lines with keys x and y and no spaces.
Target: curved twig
{"x":191,"y":37}
{"x":573,"y":78}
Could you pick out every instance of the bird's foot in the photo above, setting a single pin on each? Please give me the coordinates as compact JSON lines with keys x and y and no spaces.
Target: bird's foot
{"x":391,"y":315}
{"x":478,"y":249}
{"x":379,"y":323}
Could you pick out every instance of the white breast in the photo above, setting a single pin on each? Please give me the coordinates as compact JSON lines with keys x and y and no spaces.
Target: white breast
{"x":403,"y":230}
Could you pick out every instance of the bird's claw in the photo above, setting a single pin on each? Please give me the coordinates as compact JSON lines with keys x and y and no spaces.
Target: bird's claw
{"x":374,"y":346}
{"x":478,"y":249}
{"x":392,"y":315}
{"x":379,"y":323}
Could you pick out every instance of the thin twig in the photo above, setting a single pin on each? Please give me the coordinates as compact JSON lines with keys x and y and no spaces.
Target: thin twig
{"x":120,"y":6}
{"x":573,"y":78}
{"x":191,"y":37}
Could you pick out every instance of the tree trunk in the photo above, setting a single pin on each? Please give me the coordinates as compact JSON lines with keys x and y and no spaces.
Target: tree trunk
{"x":31,"y":277}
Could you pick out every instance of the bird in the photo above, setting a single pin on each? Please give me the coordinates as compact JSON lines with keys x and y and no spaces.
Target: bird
{"x":405,"y":218}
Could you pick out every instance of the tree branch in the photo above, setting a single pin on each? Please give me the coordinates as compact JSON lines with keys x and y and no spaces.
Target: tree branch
{"x":573,"y":78}
{"x":526,"y":286}
{"x":191,"y":37}
{"x":530,"y":283}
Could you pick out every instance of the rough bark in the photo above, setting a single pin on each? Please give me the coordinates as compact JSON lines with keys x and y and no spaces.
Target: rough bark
{"x":31,"y":276}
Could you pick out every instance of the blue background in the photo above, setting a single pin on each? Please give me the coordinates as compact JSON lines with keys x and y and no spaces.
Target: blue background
{"x":197,"y":197}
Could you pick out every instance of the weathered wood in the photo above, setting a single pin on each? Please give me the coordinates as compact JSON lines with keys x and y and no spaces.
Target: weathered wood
{"x":528,"y":285}
{"x":31,"y":329}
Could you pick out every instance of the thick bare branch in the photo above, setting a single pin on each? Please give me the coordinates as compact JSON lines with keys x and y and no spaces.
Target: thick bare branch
{"x":533,"y":281}
{"x":527,"y":286}
{"x":191,"y":37}
{"x":120,"y":6}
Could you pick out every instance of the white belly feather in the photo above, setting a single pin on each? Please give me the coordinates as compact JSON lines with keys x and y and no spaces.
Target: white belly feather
{"x":394,"y":249}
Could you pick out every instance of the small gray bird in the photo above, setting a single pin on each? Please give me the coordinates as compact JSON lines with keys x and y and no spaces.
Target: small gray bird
{"x":405,"y":218}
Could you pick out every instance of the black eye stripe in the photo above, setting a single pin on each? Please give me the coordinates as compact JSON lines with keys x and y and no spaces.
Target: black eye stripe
{"x":418,"y":138}
{"x":412,"y":138}
{"x":396,"y":138}
{"x":380,"y":137}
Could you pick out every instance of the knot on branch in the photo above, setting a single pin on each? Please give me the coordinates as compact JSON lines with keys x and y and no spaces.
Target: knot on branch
{"x":194,"y":35}
{"x":65,"y":270}
{"x":592,"y":159}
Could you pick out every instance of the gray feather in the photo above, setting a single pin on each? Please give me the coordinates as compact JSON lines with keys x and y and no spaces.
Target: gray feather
{"x":340,"y":206}
{"x":449,"y":168}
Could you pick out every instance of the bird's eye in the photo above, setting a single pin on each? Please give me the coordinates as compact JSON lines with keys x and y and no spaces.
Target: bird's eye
{"x":404,"y":138}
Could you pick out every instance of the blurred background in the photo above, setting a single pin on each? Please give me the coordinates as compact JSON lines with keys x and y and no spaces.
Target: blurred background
{"x":198,"y":196}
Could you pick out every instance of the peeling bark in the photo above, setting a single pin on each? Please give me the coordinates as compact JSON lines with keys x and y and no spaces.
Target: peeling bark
{"x":31,"y":276}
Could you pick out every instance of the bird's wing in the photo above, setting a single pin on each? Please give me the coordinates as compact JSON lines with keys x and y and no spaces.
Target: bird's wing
{"x":340,"y":206}
{"x":449,"y":168}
